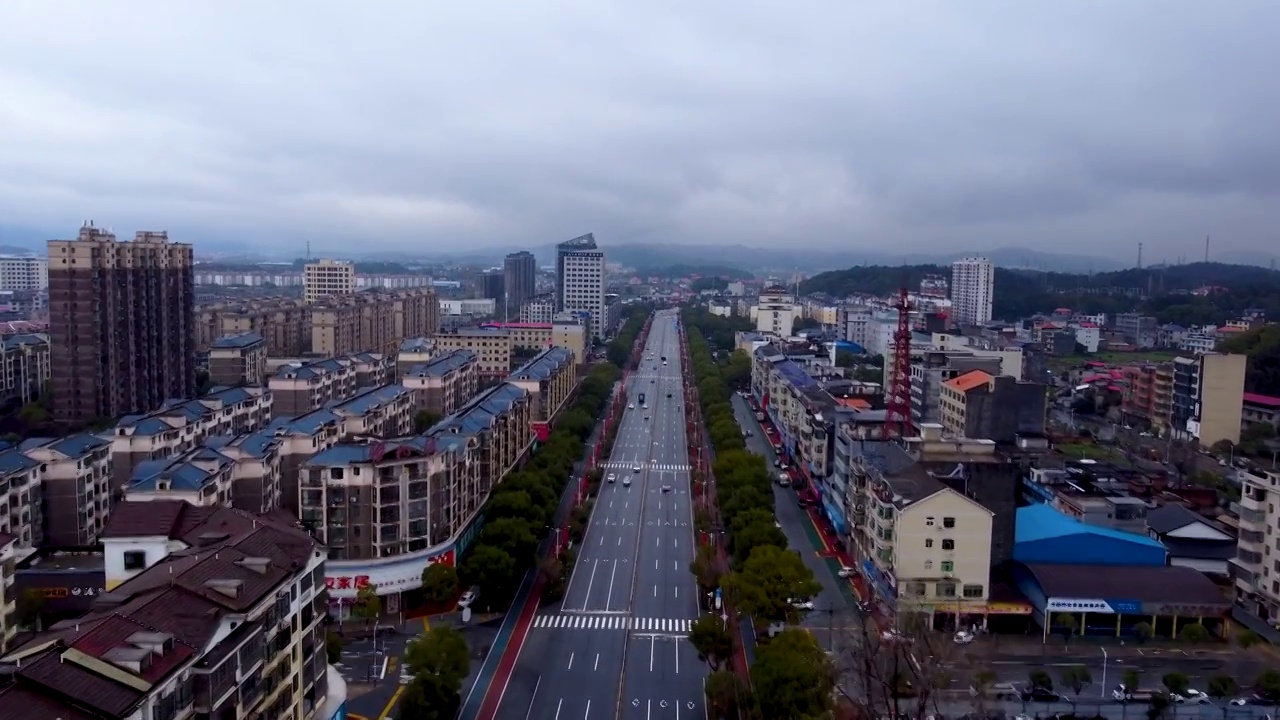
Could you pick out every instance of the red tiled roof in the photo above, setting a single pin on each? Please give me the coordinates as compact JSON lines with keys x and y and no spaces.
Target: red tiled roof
{"x":115,"y":631}
{"x":21,"y":703}
{"x":968,"y":381}
{"x":1258,"y":399}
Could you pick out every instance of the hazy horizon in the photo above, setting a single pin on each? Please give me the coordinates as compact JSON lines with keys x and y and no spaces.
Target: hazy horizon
{"x":1082,"y":129}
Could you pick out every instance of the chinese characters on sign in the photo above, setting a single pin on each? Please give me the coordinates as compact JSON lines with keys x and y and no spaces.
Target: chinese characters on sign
{"x":359,"y":582}
{"x":62,"y":592}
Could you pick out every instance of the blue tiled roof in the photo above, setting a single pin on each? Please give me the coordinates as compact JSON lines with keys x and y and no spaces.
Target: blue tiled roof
{"x":544,"y":365}
{"x":242,"y":340}
{"x":14,"y":341}
{"x":182,"y":475}
{"x":443,"y":365}
{"x":478,"y":414}
{"x":417,"y":345}
{"x":362,"y":404}
{"x":12,"y":461}
{"x":229,"y":395}
{"x":796,"y":376}
{"x":258,"y":444}
{"x":307,"y":424}
{"x":77,"y":446}
{"x":1043,"y":522}
{"x":151,"y":426}
{"x":312,"y":369}
{"x":353,"y":453}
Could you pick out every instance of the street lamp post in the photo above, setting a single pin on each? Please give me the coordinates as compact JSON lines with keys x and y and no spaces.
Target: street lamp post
{"x":1104,"y":671}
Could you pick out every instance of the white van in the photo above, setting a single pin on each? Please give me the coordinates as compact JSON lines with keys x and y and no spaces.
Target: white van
{"x":626,"y":481}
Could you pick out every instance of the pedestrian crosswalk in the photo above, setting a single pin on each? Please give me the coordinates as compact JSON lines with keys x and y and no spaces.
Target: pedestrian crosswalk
{"x":662,"y":467}
{"x":613,"y":622}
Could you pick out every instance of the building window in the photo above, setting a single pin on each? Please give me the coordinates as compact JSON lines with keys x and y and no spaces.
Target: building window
{"x":928,"y":542}
{"x":948,"y":544}
{"x":928,"y":564}
{"x":916,"y":589}
{"x":135,"y":560}
{"x":948,"y":522}
{"x":973,"y":591}
{"x":948,"y":566}
{"x":928,"y":521}
{"x":946,"y":589}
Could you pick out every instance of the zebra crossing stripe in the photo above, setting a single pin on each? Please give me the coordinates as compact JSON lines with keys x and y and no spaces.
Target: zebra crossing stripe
{"x":613,"y":622}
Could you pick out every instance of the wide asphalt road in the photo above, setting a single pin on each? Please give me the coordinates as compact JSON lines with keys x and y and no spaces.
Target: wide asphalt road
{"x":616,"y":646}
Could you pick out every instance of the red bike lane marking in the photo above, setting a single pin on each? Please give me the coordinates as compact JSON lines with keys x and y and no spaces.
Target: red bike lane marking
{"x":510,"y":655}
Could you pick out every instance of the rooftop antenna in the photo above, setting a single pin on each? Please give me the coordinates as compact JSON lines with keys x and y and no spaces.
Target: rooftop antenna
{"x":1206,"y":248}
{"x":1139,"y":256}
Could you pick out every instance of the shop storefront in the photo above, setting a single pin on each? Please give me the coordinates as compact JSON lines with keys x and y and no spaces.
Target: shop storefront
{"x":394,"y":578}
{"x":834,"y":512}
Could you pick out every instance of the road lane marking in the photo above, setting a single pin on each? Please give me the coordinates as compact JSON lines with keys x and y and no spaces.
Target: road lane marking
{"x":561,"y":702}
{"x":529,"y":713}
{"x":677,"y":671}
{"x":391,"y":704}
{"x":653,"y":645}
{"x":588,"y":712}
{"x":591,"y":581}
{"x":608,"y":600}
{"x":570,"y":661}
{"x":596,"y":666}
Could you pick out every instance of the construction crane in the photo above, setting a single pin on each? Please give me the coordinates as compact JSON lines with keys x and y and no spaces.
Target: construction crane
{"x":897,"y":416}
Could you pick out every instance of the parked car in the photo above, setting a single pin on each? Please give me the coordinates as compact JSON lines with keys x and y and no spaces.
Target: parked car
{"x":1191,"y":696}
{"x":847,"y":572}
{"x":1039,"y":694}
{"x":469,"y":597}
{"x":963,"y":637}
{"x":802,"y":604}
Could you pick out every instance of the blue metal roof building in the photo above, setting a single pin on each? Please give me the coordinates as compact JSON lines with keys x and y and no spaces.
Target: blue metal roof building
{"x":1045,"y":536}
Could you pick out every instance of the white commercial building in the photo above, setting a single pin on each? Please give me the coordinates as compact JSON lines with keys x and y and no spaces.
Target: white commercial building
{"x":326,"y":278}
{"x":24,"y":273}
{"x":580,"y":280}
{"x":972,"y":282}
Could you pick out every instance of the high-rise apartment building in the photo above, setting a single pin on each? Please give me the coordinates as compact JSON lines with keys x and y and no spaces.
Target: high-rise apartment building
{"x":521,"y":271}
{"x":580,"y":280}
{"x":1207,"y":397}
{"x":121,"y":323}
{"x":492,"y":286}
{"x":24,"y":273}
{"x":972,"y":282}
{"x":327,"y":278}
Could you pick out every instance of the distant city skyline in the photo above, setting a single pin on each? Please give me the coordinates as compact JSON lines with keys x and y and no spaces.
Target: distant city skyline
{"x":831,"y":126}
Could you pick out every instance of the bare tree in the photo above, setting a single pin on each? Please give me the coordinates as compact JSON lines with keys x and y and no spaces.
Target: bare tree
{"x":897,"y":671}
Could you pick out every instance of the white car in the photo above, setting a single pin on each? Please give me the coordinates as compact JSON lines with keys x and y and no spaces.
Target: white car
{"x":468,"y":597}
{"x":613,"y":478}
{"x":635,"y":469}
{"x":962,"y":637}
{"x":802,"y":604}
{"x":631,"y":406}
{"x":1239,"y":702}
{"x":1191,"y":697}
{"x":847,"y":572}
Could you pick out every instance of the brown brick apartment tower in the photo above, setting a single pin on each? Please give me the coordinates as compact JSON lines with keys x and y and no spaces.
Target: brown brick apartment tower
{"x":121,"y":324}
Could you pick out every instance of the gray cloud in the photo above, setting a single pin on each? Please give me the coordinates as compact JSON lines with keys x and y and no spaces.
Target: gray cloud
{"x":407,"y":125}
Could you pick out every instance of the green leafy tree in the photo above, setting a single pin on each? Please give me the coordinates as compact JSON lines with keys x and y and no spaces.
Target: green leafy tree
{"x":439,"y":583}
{"x":1040,"y":679}
{"x":333,"y":647}
{"x":792,"y":677}
{"x":1066,"y":624}
{"x":1176,"y":683}
{"x":514,"y":536}
{"x":516,"y":504}
{"x":712,"y":639}
{"x":492,"y":568}
{"x":727,"y":695}
{"x":705,"y":568}
{"x":1222,"y":686}
{"x":768,"y":583}
{"x":428,"y":698}
{"x":1130,"y":679}
{"x":441,"y":653}
{"x":368,"y":605}
{"x":1268,"y":685}
{"x":1193,"y":633}
{"x":1143,"y":631}
{"x":1247,"y":638}
{"x":1076,"y":677}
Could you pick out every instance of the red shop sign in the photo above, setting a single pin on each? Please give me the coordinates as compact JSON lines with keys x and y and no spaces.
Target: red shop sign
{"x":359,"y":582}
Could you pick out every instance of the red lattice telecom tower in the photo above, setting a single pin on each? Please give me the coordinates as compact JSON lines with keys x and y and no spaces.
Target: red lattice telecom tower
{"x":897,"y":417}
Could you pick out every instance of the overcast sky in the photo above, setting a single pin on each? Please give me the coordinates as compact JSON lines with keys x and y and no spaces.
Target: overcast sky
{"x":1082,"y":126}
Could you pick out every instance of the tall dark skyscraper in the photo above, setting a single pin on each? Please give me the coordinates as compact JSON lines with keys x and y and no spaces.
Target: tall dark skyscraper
{"x":121,"y":324}
{"x":492,"y":284}
{"x":521,"y":272}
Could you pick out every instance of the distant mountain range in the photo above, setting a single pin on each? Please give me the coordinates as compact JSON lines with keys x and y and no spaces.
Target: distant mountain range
{"x":756,"y":260}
